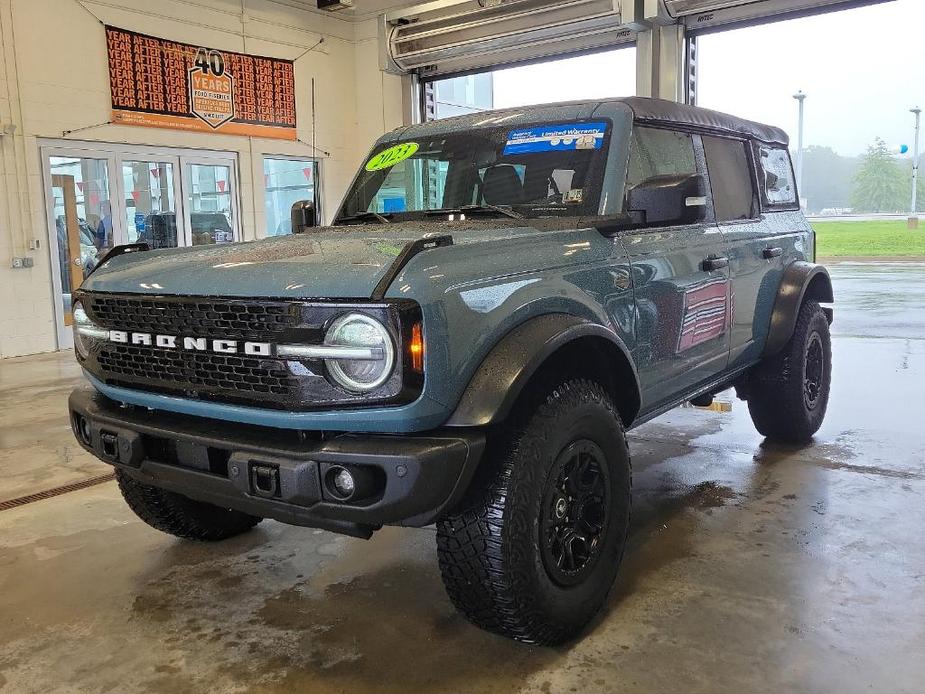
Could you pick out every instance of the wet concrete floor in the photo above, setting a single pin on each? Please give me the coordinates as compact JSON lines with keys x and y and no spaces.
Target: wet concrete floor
{"x":752,"y":567}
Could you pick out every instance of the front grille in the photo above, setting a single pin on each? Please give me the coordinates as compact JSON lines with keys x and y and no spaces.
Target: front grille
{"x":269,"y":382}
{"x":259,"y":320}
{"x":197,"y":372}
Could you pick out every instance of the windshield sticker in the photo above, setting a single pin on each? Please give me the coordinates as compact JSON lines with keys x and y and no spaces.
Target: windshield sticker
{"x":555,"y":138}
{"x":573,"y":196}
{"x":388,"y":158}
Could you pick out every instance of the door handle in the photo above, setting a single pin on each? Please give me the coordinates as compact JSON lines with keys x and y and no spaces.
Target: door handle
{"x":715,"y":262}
{"x":769,"y":253}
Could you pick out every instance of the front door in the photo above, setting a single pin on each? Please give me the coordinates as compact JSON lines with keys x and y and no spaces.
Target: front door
{"x":682,"y":309}
{"x":680,"y":279}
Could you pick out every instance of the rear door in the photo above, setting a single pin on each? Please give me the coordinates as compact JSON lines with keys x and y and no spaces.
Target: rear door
{"x":750,"y":244}
{"x":682,"y":300}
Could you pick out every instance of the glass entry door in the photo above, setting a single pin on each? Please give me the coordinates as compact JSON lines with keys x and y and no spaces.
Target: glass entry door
{"x":150,"y":207}
{"x":211,"y":206}
{"x":81,"y":220}
{"x":101,"y":195}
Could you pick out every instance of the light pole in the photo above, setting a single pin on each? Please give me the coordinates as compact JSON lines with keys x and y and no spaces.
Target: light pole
{"x":800,"y":96}
{"x":913,"y":216}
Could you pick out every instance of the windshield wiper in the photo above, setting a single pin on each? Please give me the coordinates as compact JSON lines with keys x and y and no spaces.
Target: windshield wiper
{"x":363,"y":216}
{"x":485,"y":207}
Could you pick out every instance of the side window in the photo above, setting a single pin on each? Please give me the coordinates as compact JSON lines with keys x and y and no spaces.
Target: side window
{"x":776,"y":176}
{"x":730,"y":178}
{"x":655,"y":152}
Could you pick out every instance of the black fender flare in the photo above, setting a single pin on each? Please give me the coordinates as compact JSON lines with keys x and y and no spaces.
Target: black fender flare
{"x":512,"y":362}
{"x":801,"y":280}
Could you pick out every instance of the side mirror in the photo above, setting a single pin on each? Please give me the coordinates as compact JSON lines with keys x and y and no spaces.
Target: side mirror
{"x":676,"y":199}
{"x":302,"y":216}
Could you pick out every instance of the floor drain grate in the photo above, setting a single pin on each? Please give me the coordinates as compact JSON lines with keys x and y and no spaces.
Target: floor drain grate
{"x":56,"y":491}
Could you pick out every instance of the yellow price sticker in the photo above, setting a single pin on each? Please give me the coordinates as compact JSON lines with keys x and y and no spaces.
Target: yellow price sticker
{"x":388,"y":158}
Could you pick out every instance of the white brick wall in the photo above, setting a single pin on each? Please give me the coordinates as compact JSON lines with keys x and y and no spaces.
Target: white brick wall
{"x":54,"y":77}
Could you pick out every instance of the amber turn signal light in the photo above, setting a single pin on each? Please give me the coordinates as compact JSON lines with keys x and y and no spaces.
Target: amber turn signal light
{"x":416,"y":348}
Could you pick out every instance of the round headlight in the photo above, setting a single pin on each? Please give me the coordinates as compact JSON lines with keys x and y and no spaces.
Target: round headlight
{"x":85,"y":330}
{"x":80,"y":319}
{"x":361,"y":374}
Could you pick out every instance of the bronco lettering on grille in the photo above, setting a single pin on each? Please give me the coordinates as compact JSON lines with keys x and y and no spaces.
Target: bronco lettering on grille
{"x":192,"y":344}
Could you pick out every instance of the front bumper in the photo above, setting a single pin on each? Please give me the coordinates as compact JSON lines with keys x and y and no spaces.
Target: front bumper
{"x":281,"y":474}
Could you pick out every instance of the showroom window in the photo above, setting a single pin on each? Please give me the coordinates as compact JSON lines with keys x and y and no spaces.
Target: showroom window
{"x":730,"y":178}
{"x":599,"y":75}
{"x":286,"y":181}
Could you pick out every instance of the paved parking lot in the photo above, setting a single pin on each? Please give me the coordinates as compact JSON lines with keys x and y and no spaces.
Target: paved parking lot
{"x":752,"y":567}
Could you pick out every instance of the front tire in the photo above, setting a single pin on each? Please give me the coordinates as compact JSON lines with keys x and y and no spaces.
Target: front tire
{"x":788,"y":394}
{"x":534,"y":549}
{"x":181,"y":516}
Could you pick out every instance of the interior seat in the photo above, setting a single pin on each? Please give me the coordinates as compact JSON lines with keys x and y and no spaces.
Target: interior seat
{"x":501,"y":185}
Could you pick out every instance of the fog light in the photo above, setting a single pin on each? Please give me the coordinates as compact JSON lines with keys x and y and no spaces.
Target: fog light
{"x":343,"y":481}
{"x":352,"y":484}
{"x":82,"y":429}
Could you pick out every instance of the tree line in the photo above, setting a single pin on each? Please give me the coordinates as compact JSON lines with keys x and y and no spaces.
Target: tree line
{"x":875,"y":182}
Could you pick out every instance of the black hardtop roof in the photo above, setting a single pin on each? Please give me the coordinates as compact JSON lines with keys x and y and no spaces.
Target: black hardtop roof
{"x":645,"y":110}
{"x":661,"y":112}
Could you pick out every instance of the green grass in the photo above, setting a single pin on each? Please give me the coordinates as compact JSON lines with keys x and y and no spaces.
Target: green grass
{"x":869,"y":239}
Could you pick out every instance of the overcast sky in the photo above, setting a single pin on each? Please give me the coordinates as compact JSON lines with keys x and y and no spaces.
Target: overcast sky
{"x":862,"y":69}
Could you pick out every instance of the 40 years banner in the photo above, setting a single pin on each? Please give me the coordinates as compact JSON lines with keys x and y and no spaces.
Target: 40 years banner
{"x":159,"y":83}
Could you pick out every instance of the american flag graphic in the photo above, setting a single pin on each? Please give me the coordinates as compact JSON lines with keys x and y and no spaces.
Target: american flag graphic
{"x":706,"y":313}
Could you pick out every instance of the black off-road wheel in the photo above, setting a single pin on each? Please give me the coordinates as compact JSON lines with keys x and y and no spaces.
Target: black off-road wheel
{"x":178,"y":515}
{"x":788,"y":394}
{"x":533,"y":550}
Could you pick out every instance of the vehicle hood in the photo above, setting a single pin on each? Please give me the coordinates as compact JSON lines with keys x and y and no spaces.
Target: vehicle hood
{"x":330,"y":262}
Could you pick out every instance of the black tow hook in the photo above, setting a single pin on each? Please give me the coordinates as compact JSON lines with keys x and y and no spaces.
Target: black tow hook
{"x":110,"y":445}
{"x":265,"y":480}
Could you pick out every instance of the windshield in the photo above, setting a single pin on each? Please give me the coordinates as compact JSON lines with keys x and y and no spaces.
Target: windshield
{"x":539,"y":171}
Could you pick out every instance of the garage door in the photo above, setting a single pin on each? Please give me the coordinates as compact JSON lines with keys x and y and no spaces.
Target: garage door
{"x":704,"y":14}
{"x":451,"y":36}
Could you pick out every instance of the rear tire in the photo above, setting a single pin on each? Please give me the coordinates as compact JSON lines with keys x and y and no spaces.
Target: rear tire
{"x":788,"y":394}
{"x":181,"y":516}
{"x":533,"y":550}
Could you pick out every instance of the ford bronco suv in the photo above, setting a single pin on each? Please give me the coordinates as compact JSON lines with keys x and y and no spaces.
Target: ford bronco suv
{"x":499,"y":298}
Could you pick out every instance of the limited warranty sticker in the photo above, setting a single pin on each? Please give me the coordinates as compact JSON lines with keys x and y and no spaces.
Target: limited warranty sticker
{"x":555,"y":138}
